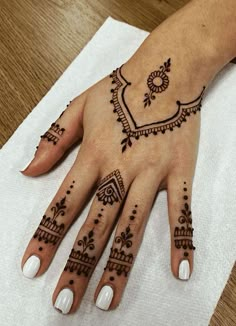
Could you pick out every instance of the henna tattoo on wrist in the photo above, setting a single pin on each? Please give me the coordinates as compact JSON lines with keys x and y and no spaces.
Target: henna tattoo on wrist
{"x":183,"y":234}
{"x":111,"y":188}
{"x":80,"y":262}
{"x":157,"y":82}
{"x":134,"y":130}
{"x":50,"y":231}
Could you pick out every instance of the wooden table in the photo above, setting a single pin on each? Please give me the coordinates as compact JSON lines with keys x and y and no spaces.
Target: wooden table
{"x":39,"y":39}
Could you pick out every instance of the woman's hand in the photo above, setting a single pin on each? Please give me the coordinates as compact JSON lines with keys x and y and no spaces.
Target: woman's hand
{"x":140,"y":130}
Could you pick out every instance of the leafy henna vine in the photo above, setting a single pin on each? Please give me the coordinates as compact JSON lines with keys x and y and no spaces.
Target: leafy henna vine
{"x":111,"y":188}
{"x":157,"y":82}
{"x":80,"y":262}
{"x":131,"y":128}
{"x":119,"y":260}
{"x":50,"y":231}
{"x":183,"y":234}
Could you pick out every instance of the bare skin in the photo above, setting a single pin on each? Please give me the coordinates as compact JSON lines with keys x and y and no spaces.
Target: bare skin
{"x":199,"y":45}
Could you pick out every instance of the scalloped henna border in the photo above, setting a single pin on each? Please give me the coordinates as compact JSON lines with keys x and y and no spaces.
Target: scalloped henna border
{"x":183,"y":111}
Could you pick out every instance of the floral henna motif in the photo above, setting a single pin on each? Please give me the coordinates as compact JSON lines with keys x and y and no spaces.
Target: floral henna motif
{"x":183,"y":234}
{"x":111,"y":188}
{"x":119,"y":260}
{"x":80,"y":262}
{"x":49,"y":230}
{"x":157,"y":82}
{"x":131,"y":128}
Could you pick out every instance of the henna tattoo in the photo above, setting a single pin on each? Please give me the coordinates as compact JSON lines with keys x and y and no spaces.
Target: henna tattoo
{"x":79,"y":261}
{"x":51,"y":137}
{"x":183,"y":234}
{"x":131,"y":128}
{"x":134,"y":211}
{"x":119,"y":260}
{"x":99,"y":215}
{"x":71,"y":282}
{"x":59,"y":208}
{"x":111,"y":188}
{"x":49,"y":230}
{"x":64,"y":110}
{"x":157,"y":82}
{"x":54,"y":129}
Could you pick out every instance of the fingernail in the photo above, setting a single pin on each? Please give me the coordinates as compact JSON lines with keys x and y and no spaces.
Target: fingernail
{"x":184,"y":270}
{"x":26,"y":168}
{"x":104,"y":298}
{"x":31,"y":267}
{"x":64,"y":301}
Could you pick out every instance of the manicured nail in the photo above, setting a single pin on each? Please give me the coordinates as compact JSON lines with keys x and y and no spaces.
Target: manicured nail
{"x":184,"y":270}
{"x":64,"y":301}
{"x":104,"y":298}
{"x":31,"y":267}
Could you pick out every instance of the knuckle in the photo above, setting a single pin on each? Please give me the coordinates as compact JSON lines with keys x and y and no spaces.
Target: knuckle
{"x":102,"y":224}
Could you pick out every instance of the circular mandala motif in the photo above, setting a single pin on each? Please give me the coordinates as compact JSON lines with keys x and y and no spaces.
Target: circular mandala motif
{"x":158,"y":88}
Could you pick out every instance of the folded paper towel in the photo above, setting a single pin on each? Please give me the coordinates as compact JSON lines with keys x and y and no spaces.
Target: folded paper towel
{"x":153,"y":296}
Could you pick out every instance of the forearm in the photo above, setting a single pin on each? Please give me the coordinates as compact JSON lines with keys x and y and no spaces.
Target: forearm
{"x":200,"y":37}
{"x":205,"y":26}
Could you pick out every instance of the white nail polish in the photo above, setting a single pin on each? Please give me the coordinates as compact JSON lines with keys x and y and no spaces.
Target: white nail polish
{"x":104,"y":298}
{"x":31,"y":267}
{"x":184,"y":270}
{"x":64,"y":301}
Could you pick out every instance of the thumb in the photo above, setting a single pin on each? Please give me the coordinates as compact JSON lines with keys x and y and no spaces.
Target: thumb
{"x":62,"y":134}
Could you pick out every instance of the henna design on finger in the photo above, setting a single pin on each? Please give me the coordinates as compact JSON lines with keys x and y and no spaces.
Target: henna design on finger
{"x":50,"y":231}
{"x":80,"y":262}
{"x":134,"y":129}
{"x":134,"y":211}
{"x":55,"y":132}
{"x":111,"y":188}
{"x":183,"y":234}
{"x":64,"y":110}
{"x":50,"y":135}
{"x":119,"y":260}
{"x":157,"y":82}
{"x":99,"y":215}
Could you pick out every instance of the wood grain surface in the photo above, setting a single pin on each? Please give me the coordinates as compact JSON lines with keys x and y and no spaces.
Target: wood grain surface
{"x":39,"y":39}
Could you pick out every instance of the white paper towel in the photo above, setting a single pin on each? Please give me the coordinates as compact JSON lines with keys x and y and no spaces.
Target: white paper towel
{"x":153,"y":296}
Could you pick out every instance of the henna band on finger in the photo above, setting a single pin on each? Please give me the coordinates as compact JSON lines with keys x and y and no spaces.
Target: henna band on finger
{"x":184,"y":232}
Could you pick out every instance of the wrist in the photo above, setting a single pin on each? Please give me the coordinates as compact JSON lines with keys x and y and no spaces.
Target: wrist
{"x":199,"y":37}
{"x":207,"y":28}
